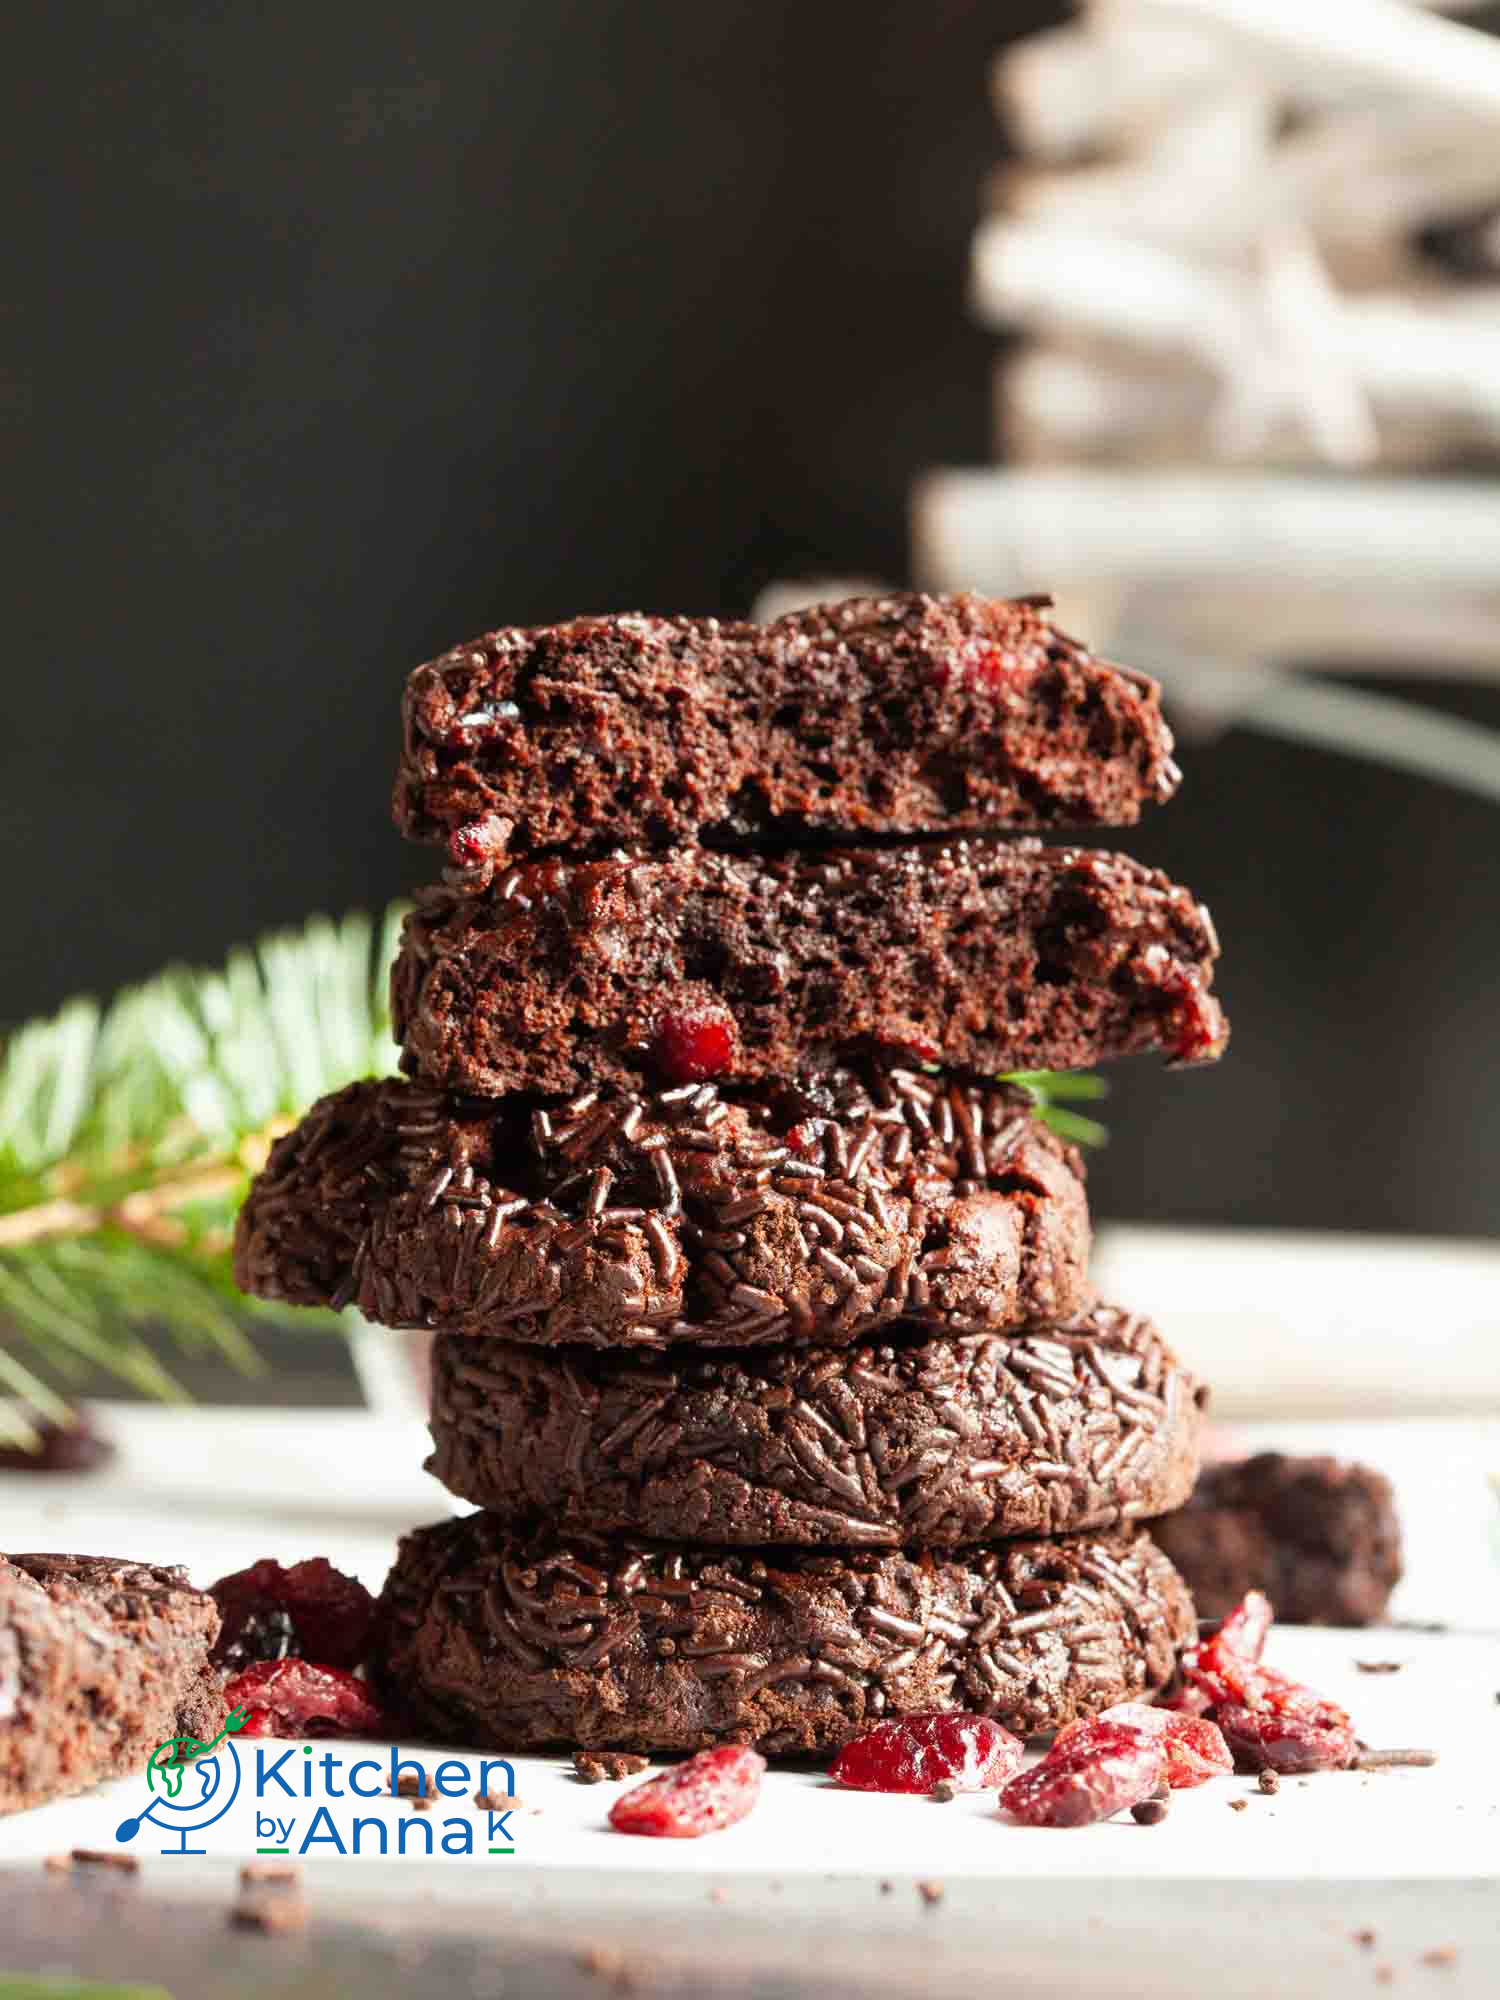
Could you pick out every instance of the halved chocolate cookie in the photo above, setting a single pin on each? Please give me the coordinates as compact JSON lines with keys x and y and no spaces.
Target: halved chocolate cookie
{"x":901,"y":714}
{"x":809,"y":1212}
{"x":981,"y":956}
{"x":900,"y":1440}
{"x":511,"y":1645}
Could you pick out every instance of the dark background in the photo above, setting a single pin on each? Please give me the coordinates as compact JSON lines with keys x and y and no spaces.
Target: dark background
{"x":340,"y":332}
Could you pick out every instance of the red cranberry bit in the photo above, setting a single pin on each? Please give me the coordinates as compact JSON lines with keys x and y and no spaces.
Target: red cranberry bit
{"x":692,"y":1047}
{"x":1194,"y":1750}
{"x":709,"y":1791}
{"x":297,"y":1698}
{"x":912,"y":1753}
{"x":479,"y":846}
{"x":1286,"y":1741}
{"x":1091,"y":1778}
{"x":311,"y":1610}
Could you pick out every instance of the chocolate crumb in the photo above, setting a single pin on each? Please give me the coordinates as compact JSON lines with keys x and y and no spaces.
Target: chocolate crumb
{"x":594,"y":1766}
{"x":604,"y":1962}
{"x":270,"y":1875}
{"x":943,"y":1791}
{"x":1379,"y":1666}
{"x":886,"y":1888}
{"x":269,"y":1914}
{"x":496,"y":1802}
{"x":1269,"y":1782}
{"x":1238,"y":1805}
{"x":718,"y":1895}
{"x":408,"y":1785}
{"x":1440,"y":1955}
{"x":1365,"y":1940}
{"x":1150,"y":1812}
{"x":94,"y":1857}
{"x":422,"y":1802}
{"x":1394,"y":1760}
{"x":1384,"y":1974}
{"x":931,"y":1892}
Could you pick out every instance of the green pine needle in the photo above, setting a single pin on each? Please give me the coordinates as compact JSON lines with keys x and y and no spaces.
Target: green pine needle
{"x":1054,"y":1091}
{"x":128,"y":1136}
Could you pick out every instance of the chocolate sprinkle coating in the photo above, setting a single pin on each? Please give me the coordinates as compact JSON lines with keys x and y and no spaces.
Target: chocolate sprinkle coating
{"x":985,"y":957}
{"x":100,"y":1660}
{"x":1319,"y":1536}
{"x":503,"y":1643}
{"x":890,"y":715}
{"x":648,"y":1219}
{"x":901,"y":1442}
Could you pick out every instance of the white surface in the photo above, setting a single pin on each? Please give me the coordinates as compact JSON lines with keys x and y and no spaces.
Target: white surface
{"x":217,"y":1489}
{"x":1319,"y":1324}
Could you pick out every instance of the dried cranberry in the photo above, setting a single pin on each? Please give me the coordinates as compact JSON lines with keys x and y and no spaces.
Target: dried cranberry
{"x":298,"y":1698}
{"x":1288,"y":1741}
{"x":709,"y":1791}
{"x":1194,"y":1750}
{"x":1247,"y":1627}
{"x":690,"y":1047}
{"x":911,"y":1753}
{"x":1104,"y":1771}
{"x":328,"y":1613}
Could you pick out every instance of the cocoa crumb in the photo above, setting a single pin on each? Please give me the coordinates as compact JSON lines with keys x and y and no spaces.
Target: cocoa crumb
{"x":409,"y":1785}
{"x":497,"y":1802}
{"x":1440,"y":1955}
{"x":944,"y":1791}
{"x":1238,"y":1805}
{"x":931,"y":1892}
{"x":422,"y":1802}
{"x":594,"y":1766}
{"x":1150,"y":1812}
{"x":1268,"y":1782}
{"x":1384,"y":1974}
{"x":1365,"y":1940}
{"x":270,"y":1914}
{"x":1379,"y":1666}
{"x":718,"y":1895}
{"x":270,"y":1875}
{"x":886,"y":1888}
{"x":602,"y":1961}
{"x":94,"y":1857}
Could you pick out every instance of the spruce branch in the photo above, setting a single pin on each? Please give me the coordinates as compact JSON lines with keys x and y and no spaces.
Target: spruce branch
{"x":128,"y":1136}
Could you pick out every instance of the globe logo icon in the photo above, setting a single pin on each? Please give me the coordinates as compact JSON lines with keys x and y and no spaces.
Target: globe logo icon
{"x":192,"y":1784}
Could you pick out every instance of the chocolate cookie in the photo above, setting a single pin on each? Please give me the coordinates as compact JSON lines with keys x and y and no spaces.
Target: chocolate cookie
{"x":1318,"y":1536}
{"x":619,"y":1645}
{"x":900,"y":1442}
{"x":891,"y":715}
{"x":981,"y":956}
{"x":684,"y":1215}
{"x":100,"y":1661}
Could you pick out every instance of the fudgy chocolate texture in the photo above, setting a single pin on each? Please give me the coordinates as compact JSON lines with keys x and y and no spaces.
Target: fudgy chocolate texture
{"x":1320,"y":1537}
{"x":889,"y":715}
{"x":983,"y":956}
{"x":644,"y":1219}
{"x":510,"y":1645}
{"x":100,"y":1660}
{"x":901,"y":1442}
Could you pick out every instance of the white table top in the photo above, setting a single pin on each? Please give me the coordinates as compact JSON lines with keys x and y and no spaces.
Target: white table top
{"x":218,"y":1488}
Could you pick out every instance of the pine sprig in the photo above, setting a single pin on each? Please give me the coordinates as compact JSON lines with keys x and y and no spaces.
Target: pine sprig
{"x":128,"y":1135}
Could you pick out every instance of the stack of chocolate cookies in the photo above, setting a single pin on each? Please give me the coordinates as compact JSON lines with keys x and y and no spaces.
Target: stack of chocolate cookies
{"x":764,"y":1337}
